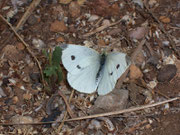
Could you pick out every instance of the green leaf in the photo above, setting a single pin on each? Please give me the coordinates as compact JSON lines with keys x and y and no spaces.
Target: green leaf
{"x":50,"y":70}
{"x":53,"y":69}
{"x":56,"y":57}
{"x":59,"y":74}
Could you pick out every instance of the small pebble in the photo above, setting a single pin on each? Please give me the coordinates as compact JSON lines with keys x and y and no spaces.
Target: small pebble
{"x":95,"y":124}
{"x":32,"y":20}
{"x":165,"y":43}
{"x":138,"y":33}
{"x":38,"y":43}
{"x":93,"y":18}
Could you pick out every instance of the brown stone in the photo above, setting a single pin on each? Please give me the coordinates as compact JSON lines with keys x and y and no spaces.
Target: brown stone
{"x":58,"y":26}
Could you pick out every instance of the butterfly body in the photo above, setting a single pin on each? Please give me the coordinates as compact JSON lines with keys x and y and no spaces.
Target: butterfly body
{"x":88,"y":70}
{"x":102,"y":62}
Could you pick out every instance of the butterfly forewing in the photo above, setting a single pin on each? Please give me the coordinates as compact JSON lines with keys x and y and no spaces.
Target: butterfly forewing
{"x":82,"y":64}
{"x":75,"y":58}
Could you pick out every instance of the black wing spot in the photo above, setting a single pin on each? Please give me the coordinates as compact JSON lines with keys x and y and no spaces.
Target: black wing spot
{"x":111,"y":73}
{"x":73,"y":57}
{"x":117,"y":66}
{"x":78,"y":67}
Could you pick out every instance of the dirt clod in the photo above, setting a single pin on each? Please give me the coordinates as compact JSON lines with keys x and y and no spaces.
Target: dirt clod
{"x":166,"y":73}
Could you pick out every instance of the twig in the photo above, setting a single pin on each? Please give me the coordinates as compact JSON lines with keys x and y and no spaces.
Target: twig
{"x":65,"y":115}
{"x":102,"y":114}
{"x":98,"y":22}
{"x":26,"y":15}
{"x":150,"y":49}
{"x":67,"y":104}
{"x":26,"y":45}
{"x":125,"y":110}
{"x":138,"y":49}
{"x":100,"y":29}
{"x":173,"y":27}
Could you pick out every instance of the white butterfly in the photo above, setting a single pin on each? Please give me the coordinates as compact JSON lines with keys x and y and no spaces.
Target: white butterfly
{"x":88,"y":70}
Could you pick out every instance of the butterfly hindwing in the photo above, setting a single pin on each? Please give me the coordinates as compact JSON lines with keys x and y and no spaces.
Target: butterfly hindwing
{"x":86,"y":80}
{"x":115,"y":65}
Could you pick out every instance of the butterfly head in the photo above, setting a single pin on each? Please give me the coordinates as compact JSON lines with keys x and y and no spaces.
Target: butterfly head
{"x":103,"y":58}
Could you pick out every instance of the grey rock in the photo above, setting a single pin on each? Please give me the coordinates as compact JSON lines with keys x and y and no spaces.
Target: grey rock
{"x":116,"y":100}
